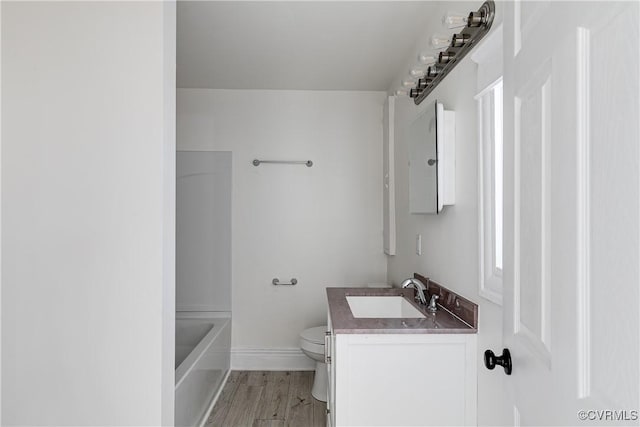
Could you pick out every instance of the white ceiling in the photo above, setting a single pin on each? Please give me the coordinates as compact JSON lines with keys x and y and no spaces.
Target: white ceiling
{"x":312,"y":45}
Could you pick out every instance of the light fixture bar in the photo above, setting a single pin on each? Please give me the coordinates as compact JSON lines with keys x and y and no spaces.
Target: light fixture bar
{"x":478,"y":25}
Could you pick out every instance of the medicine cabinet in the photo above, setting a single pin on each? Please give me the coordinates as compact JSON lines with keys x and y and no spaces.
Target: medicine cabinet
{"x":432,"y":160}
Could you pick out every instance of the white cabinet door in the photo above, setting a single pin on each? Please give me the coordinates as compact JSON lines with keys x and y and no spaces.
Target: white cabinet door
{"x":405,"y":380}
{"x":571,"y":103}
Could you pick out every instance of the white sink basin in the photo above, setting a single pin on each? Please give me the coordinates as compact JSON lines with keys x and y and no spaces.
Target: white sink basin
{"x":392,"y":306}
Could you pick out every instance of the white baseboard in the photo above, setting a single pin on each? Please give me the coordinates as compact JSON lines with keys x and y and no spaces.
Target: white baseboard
{"x":270,"y":359}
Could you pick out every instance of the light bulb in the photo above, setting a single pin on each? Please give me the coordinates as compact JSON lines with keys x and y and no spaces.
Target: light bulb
{"x":408,"y":83}
{"x":440,"y":41}
{"x":401,"y":92}
{"x":427,"y":58}
{"x":454,"y":20}
{"x":418,"y":71}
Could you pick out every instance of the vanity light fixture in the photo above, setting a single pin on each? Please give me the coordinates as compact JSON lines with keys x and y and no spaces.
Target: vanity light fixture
{"x":476,"y":25}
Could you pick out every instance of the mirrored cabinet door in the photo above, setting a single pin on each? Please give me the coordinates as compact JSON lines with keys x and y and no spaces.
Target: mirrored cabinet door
{"x":423,"y":164}
{"x":431,"y":139}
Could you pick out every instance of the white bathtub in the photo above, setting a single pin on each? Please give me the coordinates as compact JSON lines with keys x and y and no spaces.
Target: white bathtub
{"x":203,"y":345}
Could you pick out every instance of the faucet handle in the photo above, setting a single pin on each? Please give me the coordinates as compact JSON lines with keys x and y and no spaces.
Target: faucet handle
{"x":433,"y":307}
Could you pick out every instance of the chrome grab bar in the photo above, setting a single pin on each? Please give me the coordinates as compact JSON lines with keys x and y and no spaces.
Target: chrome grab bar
{"x":277,"y":282}
{"x":308,"y":163}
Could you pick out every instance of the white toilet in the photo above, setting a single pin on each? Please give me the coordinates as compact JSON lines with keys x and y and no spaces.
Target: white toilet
{"x":312,"y":344}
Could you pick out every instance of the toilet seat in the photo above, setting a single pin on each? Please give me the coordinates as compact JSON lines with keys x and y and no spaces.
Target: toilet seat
{"x":312,"y":340}
{"x":314,"y":335}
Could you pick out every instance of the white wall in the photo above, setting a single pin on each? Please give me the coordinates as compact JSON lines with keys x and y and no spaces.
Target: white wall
{"x":87,"y":205}
{"x":321,"y":225}
{"x":203,"y":231}
{"x":169,"y":212}
{"x":450,"y":240}
{"x":0,"y":213}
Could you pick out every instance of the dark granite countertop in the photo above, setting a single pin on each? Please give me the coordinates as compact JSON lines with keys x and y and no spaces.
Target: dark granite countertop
{"x":343,"y":322}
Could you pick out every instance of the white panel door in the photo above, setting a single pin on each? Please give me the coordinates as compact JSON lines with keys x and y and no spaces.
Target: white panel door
{"x":203,"y":231}
{"x":571,"y":275}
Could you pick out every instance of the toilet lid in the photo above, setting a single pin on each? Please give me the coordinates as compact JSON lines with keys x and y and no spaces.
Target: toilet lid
{"x":314,"y":335}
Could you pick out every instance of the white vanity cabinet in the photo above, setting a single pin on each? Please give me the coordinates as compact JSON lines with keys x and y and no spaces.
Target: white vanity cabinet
{"x":401,"y":379}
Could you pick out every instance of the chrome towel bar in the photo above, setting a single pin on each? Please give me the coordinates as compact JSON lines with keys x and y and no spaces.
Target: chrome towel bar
{"x":277,"y":282}
{"x":308,"y":163}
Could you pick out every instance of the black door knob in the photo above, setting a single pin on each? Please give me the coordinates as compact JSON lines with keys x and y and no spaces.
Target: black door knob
{"x":491,"y":360}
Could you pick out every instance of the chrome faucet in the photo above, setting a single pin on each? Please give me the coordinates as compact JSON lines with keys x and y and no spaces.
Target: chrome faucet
{"x":418,"y":286}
